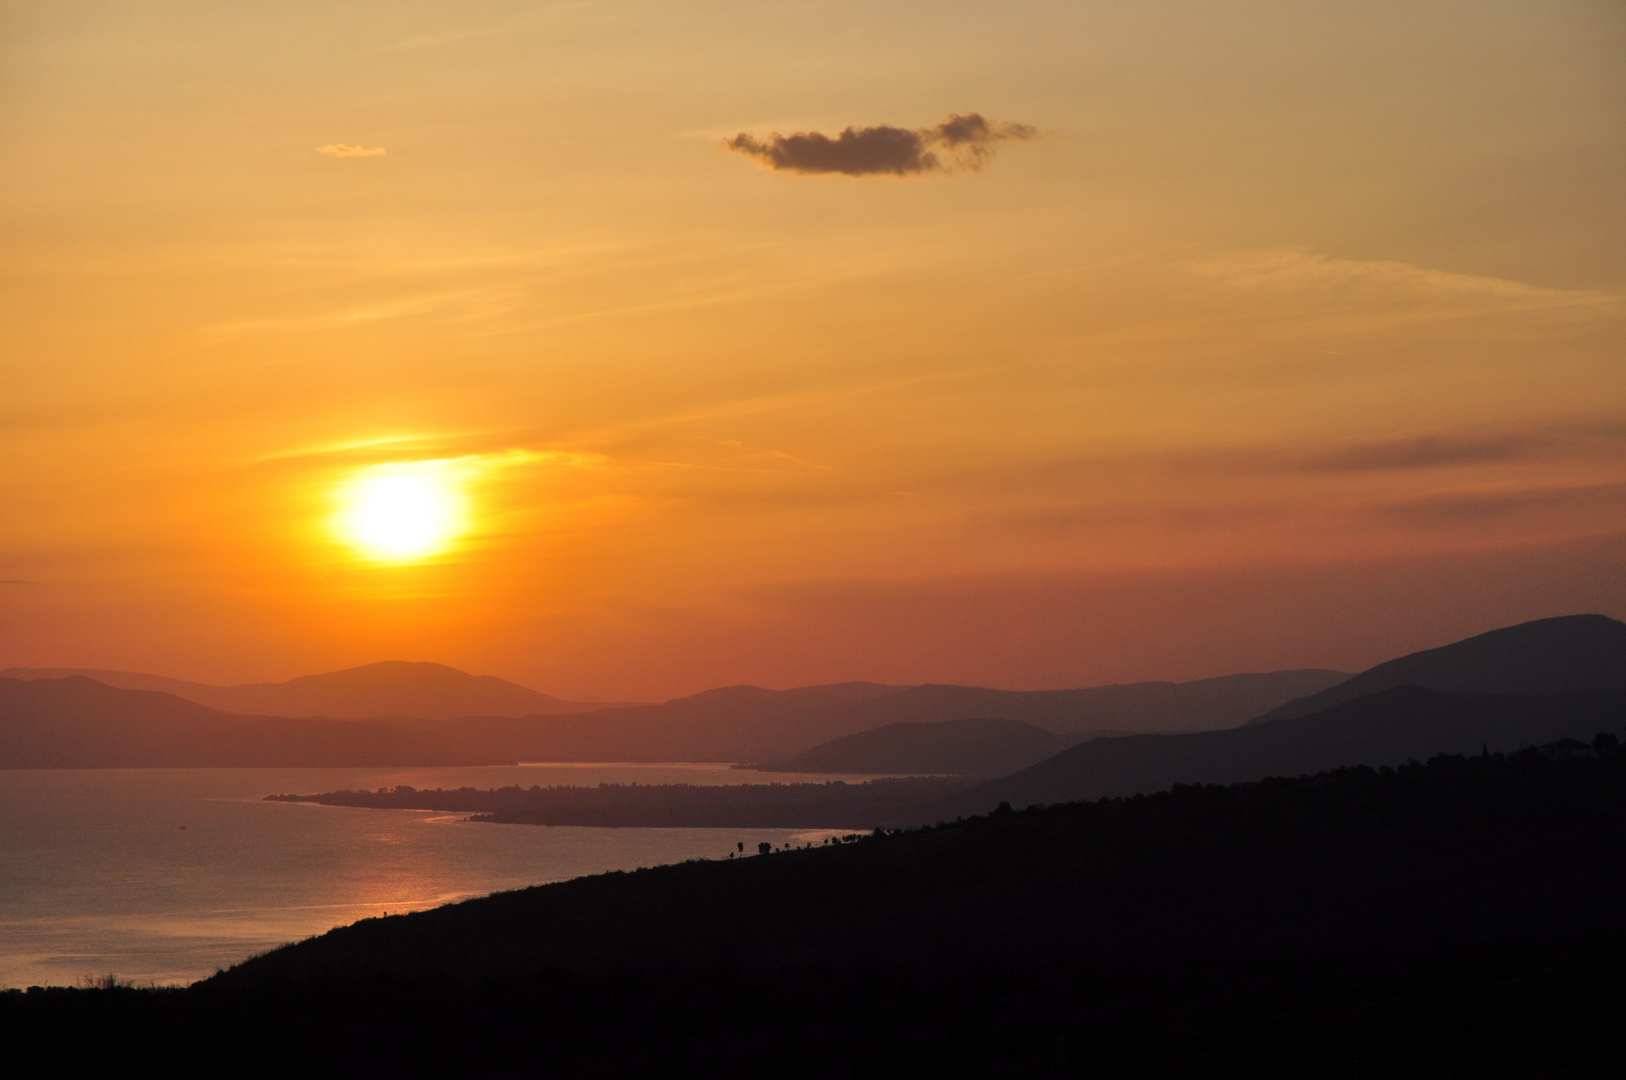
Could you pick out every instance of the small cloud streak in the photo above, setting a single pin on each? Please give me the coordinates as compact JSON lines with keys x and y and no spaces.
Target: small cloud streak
{"x":345,"y":150}
{"x":1474,"y":508}
{"x":1429,"y":451}
{"x":1446,"y":449}
{"x":1064,"y":521}
{"x":969,"y":140}
{"x":1288,"y":270}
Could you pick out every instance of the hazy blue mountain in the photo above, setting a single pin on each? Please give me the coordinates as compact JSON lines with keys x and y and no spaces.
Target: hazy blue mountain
{"x":1547,"y":656}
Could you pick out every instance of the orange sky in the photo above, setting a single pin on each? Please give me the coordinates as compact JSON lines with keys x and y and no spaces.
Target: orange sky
{"x":1295,"y":335}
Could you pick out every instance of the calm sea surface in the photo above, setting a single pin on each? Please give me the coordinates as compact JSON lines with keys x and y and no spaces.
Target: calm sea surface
{"x":166,"y":875}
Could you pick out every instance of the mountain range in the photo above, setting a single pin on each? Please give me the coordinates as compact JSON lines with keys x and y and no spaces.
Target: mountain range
{"x":1516,"y":686}
{"x":78,"y":723}
{"x":1570,"y":673}
{"x":739,"y":723}
{"x":977,"y":747}
{"x":390,"y":688}
{"x":1389,"y":728}
{"x":1547,"y":656}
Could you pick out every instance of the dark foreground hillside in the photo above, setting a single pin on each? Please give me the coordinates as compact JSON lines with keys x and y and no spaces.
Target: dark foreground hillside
{"x":1460,"y":918}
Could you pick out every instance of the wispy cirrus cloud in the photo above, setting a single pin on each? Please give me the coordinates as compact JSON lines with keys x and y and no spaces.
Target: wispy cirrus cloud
{"x":475,"y":451}
{"x":1563,"y":444}
{"x":345,"y":150}
{"x":1383,"y":283}
{"x":1446,"y":449}
{"x":968,"y":141}
{"x":1430,"y":451}
{"x":1473,"y":507}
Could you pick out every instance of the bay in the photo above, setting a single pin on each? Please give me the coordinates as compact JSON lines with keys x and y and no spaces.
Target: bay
{"x":163,"y":876}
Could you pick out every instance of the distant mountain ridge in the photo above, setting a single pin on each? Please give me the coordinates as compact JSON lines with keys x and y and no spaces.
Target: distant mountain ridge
{"x":1390,"y":727}
{"x":78,"y":723}
{"x":808,"y":714}
{"x":1512,"y":687}
{"x":732,"y":724}
{"x":868,"y":727}
{"x":976,"y":747}
{"x":1546,"y":656}
{"x":750,"y":723}
{"x":389,"y":688}
{"x":1201,"y":704}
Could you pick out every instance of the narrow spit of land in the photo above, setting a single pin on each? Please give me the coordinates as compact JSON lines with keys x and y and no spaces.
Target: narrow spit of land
{"x":886,"y":803}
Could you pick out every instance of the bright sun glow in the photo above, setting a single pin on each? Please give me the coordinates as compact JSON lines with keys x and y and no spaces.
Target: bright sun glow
{"x":401,"y":512}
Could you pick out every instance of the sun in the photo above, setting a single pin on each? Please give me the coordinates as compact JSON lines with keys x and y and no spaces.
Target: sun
{"x":402,"y":512}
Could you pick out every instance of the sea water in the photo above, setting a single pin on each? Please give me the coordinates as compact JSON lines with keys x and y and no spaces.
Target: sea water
{"x":167,"y":875}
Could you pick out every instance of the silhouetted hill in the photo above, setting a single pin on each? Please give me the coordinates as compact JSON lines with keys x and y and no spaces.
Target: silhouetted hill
{"x":1386,"y":728}
{"x":1459,"y":918}
{"x":1119,"y":862}
{"x":955,"y":747}
{"x":1548,"y":656}
{"x":80,"y":723}
{"x":390,"y":688}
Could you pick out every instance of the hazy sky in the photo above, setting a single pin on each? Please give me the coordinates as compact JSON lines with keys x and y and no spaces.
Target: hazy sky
{"x":1276,"y":334}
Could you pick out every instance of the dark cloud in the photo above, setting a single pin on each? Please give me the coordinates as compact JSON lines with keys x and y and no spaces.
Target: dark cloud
{"x":968,"y":141}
